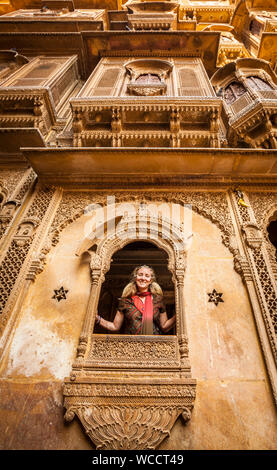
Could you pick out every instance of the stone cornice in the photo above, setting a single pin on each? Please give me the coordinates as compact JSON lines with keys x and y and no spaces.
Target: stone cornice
{"x":193,"y":43}
{"x":117,"y":166}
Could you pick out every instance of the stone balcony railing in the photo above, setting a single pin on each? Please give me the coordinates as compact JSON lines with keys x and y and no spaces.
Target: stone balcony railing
{"x":147,"y":122}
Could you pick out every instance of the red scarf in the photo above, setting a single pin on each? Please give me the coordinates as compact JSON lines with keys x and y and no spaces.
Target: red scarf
{"x":146,"y":309}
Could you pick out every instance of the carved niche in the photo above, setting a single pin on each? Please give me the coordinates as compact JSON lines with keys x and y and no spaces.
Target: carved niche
{"x":128,"y":391}
{"x":253,"y":235}
{"x":148,"y":77}
{"x":25,"y":231}
{"x":8,"y":211}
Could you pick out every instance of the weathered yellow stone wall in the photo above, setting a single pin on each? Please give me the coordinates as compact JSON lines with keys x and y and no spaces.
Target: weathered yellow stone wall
{"x":234,"y":407}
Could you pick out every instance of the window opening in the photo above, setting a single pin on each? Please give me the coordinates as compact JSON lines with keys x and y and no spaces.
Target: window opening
{"x":272,"y":235}
{"x":124,"y":262}
{"x":233,"y":91}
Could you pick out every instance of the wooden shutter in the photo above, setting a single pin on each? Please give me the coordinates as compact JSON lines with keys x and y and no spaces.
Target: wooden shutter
{"x":189,"y":83}
{"x":106,"y":83}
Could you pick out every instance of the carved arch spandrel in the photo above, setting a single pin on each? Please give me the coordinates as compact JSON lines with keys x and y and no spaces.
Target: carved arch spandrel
{"x":212,"y":205}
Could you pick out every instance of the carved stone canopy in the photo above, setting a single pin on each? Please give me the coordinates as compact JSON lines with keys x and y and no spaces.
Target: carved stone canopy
{"x":149,"y":7}
{"x":159,"y":68}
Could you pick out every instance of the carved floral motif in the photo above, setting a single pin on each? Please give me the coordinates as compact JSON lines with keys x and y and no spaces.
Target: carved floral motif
{"x":132,"y":349}
{"x":136,"y":427}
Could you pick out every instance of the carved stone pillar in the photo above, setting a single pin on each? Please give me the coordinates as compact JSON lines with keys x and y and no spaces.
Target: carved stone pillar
{"x":259,"y":280}
{"x":89,"y":320}
{"x":181,"y":316}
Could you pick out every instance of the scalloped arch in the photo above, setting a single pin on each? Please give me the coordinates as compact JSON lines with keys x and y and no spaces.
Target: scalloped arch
{"x":217,"y":213}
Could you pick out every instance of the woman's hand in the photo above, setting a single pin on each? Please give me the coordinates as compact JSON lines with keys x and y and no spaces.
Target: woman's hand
{"x":166,"y":323}
{"x":111,"y":326}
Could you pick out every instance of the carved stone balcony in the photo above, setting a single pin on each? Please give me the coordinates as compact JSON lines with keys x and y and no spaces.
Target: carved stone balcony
{"x":155,"y":15}
{"x":249,"y":90}
{"x":255,"y":120}
{"x":31,"y":97}
{"x":151,"y":122}
{"x":136,"y":379}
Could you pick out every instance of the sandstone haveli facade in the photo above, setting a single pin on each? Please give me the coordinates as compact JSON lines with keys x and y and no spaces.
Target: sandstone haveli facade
{"x":138,"y":132}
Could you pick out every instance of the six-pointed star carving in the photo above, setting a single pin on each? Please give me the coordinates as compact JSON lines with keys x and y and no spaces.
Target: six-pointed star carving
{"x":215,"y":297}
{"x":60,"y":294}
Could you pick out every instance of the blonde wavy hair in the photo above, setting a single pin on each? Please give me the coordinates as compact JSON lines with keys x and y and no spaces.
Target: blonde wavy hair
{"x":131,"y":288}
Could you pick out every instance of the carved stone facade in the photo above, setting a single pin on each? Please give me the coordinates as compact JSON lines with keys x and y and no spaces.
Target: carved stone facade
{"x":139,"y":133}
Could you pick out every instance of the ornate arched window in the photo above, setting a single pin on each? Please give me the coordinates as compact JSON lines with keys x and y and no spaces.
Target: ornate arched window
{"x":233,"y":91}
{"x":131,"y":388}
{"x":124,"y":261}
{"x":255,"y":27}
{"x":148,"y":76}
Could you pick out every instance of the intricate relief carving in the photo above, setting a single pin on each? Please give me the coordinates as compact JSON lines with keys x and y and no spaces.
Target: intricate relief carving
{"x":137,"y":427}
{"x":24,"y":187}
{"x":253,"y":235}
{"x":25,"y":231}
{"x":264,"y":206}
{"x":128,"y":390}
{"x":213,"y":206}
{"x":9,"y":180}
{"x":95,"y":262}
{"x":72,"y":207}
{"x":134,"y":349}
{"x":17,"y":251}
{"x":146,"y":90}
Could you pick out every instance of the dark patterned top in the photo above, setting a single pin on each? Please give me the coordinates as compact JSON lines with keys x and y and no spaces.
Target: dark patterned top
{"x":133,"y":317}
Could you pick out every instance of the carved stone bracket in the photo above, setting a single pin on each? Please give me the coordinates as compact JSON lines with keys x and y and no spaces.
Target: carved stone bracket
{"x":242,"y":267}
{"x":128,"y":416}
{"x":36,"y":266}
